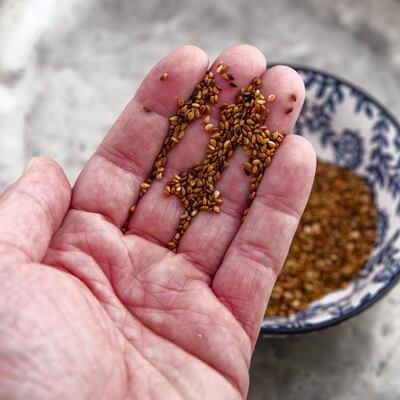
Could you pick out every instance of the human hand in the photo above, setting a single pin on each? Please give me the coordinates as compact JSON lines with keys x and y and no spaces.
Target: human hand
{"x":87,"y":312}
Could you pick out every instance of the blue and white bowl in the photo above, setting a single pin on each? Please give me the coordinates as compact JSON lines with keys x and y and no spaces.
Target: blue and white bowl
{"x":350,"y":128}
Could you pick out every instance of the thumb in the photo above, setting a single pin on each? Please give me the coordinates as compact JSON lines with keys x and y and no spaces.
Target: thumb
{"x":32,"y":209}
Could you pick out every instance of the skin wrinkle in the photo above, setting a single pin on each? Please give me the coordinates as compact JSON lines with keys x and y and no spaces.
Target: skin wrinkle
{"x":74,"y":248}
{"x":142,"y":228}
{"x":143,"y":283}
{"x":196,"y":275}
{"x":229,"y":209}
{"x":121,"y":161}
{"x":41,"y":202}
{"x":133,"y":263}
{"x":258,"y":255}
{"x":280,"y":204}
{"x":166,"y":314}
{"x":188,"y":255}
{"x":146,"y":235}
{"x":12,"y":248}
{"x":76,"y":216}
{"x":43,"y":208}
{"x":77,"y":207}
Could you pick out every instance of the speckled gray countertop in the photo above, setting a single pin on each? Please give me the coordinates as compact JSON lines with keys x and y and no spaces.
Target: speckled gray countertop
{"x":68,"y":67}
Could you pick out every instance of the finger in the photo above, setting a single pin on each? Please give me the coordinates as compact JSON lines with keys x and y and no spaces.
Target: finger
{"x":32,"y":209}
{"x":209,"y":236}
{"x":157,"y":216}
{"x":287,"y":88}
{"x":110,"y":182}
{"x":248,"y":272}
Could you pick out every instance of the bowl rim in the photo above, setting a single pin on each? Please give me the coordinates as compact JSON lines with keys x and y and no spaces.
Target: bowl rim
{"x":294,"y":331}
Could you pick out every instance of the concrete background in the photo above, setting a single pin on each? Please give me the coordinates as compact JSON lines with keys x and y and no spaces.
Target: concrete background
{"x":68,"y":67}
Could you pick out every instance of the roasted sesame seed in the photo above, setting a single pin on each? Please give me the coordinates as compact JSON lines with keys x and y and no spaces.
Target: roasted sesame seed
{"x":247,"y":171}
{"x":289,"y":110}
{"x":209,"y":127}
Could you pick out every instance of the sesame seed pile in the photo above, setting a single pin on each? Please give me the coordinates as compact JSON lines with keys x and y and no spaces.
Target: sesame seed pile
{"x":206,"y":91}
{"x":333,"y":242}
{"x":240,"y":125}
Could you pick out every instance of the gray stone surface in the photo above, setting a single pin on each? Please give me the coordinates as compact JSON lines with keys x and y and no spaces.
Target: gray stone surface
{"x":68,"y":67}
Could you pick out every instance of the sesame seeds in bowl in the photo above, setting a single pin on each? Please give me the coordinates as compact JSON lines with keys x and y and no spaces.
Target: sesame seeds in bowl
{"x":349,"y":128}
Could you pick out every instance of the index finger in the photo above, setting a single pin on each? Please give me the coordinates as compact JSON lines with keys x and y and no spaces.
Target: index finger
{"x":110,"y":182}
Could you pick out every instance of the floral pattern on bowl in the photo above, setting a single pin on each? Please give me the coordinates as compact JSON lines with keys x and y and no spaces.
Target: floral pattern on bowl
{"x":347,"y":127}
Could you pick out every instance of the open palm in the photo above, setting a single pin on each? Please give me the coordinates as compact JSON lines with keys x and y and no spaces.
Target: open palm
{"x":87,"y":312}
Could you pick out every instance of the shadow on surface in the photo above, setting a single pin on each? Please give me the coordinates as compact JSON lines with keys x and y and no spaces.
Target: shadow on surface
{"x":291,"y":368}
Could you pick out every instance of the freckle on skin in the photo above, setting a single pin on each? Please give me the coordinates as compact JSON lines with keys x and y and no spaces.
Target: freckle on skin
{"x":147,"y":108}
{"x":294,"y":96}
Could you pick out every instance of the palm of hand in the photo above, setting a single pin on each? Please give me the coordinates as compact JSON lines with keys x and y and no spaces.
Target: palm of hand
{"x":114,"y":316}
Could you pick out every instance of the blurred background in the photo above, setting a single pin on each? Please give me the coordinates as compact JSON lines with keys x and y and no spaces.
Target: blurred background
{"x":68,"y":68}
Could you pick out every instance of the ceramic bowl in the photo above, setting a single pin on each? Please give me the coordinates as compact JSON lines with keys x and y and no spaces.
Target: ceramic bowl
{"x":348,"y":127}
